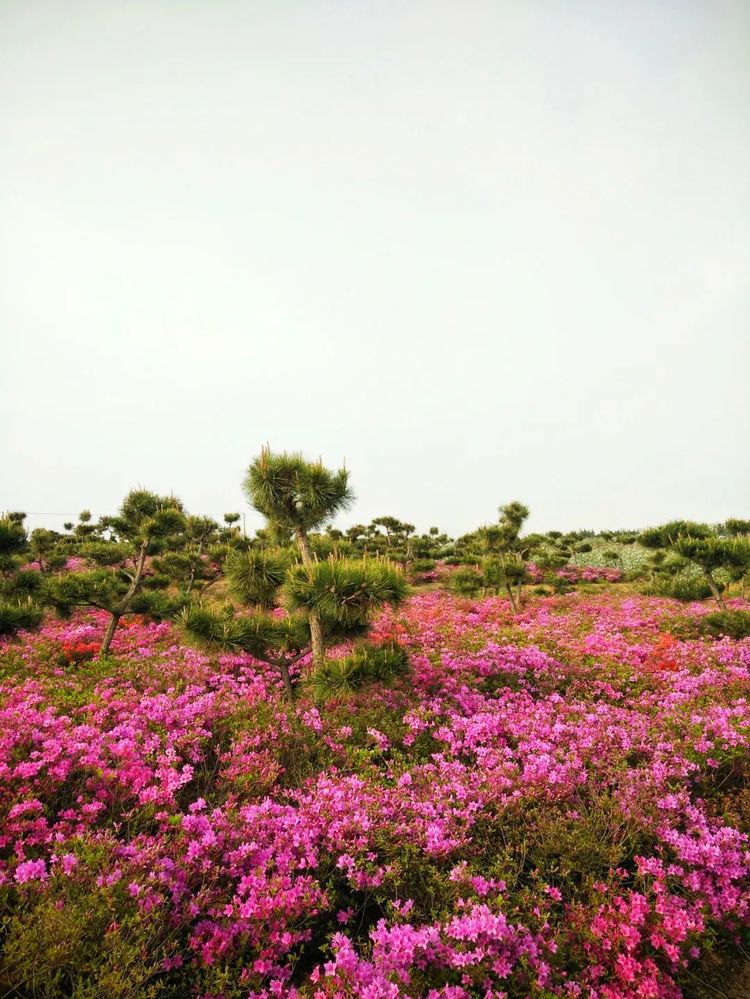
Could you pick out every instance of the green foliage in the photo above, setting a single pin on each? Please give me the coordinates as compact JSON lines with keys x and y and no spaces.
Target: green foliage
{"x":345,"y":591}
{"x":256,"y":575}
{"x":509,"y":571}
{"x":17,"y":616}
{"x":173,"y":566}
{"x":549,"y":559}
{"x":102,"y":588}
{"x":194,"y":557}
{"x":392,"y":525}
{"x":513,"y":515}
{"x":273,"y":536}
{"x":259,"y":634}
{"x":80,"y":940}
{"x":296,"y":494}
{"x":13,"y":543}
{"x":504,"y":537}
{"x":465,"y":581}
{"x":209,"y":627}
{"x":682,"y":548}
{"x":277,"y":641}
{"x":733,"y":624}
{"x":335,"y":597}
{"x":22,"y":585}
{"x":330,"y":545}
{"x":85,"y":530}
{"x":735,"y":527}
{"x":575,"y":851}
{"x":156,"y":603}
{"x":340,"y":678}
{"x":712,"y":553}
{"x":46,"y":551}
{"x":122,"y":582}
{"x":422,"y":565}
{"x":502,"y":551}
{"x":667,"y":534}
{"x":685,"y":588}
{"x":396,"y":539}
{"x":18,"y":588}
{"x":147,"y":519}
{"x":105,"y":553}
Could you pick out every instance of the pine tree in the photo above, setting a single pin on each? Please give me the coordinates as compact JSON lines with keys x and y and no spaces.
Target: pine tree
{"x":504,"y":565}
{"x":122,"y":582}
{"x":298,"y":496}
{"x":19,"y":588}
{"x":681,"y":543}
{"x":327,"y":600}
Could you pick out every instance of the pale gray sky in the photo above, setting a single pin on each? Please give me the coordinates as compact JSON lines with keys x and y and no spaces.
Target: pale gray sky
{"x":481,"y":250}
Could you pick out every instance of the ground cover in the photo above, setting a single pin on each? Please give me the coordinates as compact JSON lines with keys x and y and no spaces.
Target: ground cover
{"x":554,"y":803}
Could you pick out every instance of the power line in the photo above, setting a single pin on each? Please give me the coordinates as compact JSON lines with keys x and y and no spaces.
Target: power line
{"x":68,"y":513}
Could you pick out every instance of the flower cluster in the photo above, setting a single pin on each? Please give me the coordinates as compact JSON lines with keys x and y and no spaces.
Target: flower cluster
{"x":577,"y":573}
{"x":553,"y":804}
{"x":589,"y":574}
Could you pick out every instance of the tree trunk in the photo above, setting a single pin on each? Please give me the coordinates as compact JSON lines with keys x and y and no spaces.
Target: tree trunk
{"x":316,"y":628}
{"x":512,"y":599}
{"x":109,"y":634}
{"x":303,"y":542}
{"x":124,"y":604}
{"x":284,"y":670}
{"x":714,"y":589}
{"x":191,"y":581}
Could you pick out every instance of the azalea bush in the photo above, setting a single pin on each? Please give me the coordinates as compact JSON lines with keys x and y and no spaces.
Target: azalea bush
{"x":552,"y":802}
{"x":574,"y":574}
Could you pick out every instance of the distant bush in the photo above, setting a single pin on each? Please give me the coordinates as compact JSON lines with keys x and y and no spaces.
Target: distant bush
{"x":730,"y":624}
{"x":423,"y":570}
{"x":422,"y":565}
{"x":685,"y":588}
{"x":465,"y":581}
{"x":589,"y":574}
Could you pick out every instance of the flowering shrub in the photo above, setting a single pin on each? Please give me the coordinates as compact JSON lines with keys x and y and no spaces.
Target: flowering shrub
{"x":550,"y":804}
{"x":72,"y":564}
{"x":576,"y":574}
{"x":589,"y":574}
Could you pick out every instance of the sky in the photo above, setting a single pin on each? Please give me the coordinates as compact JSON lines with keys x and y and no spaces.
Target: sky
{"x":478,"y":251}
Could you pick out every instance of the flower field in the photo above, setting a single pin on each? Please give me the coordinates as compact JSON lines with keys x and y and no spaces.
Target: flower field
{"x":551,"y":804}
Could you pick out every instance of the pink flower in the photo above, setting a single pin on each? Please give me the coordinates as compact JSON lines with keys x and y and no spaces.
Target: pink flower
{"x":68,"y":862}
{"x":31,"y":870}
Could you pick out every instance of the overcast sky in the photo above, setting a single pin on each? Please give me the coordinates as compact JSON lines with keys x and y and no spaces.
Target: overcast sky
{"x":481,"y":251}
